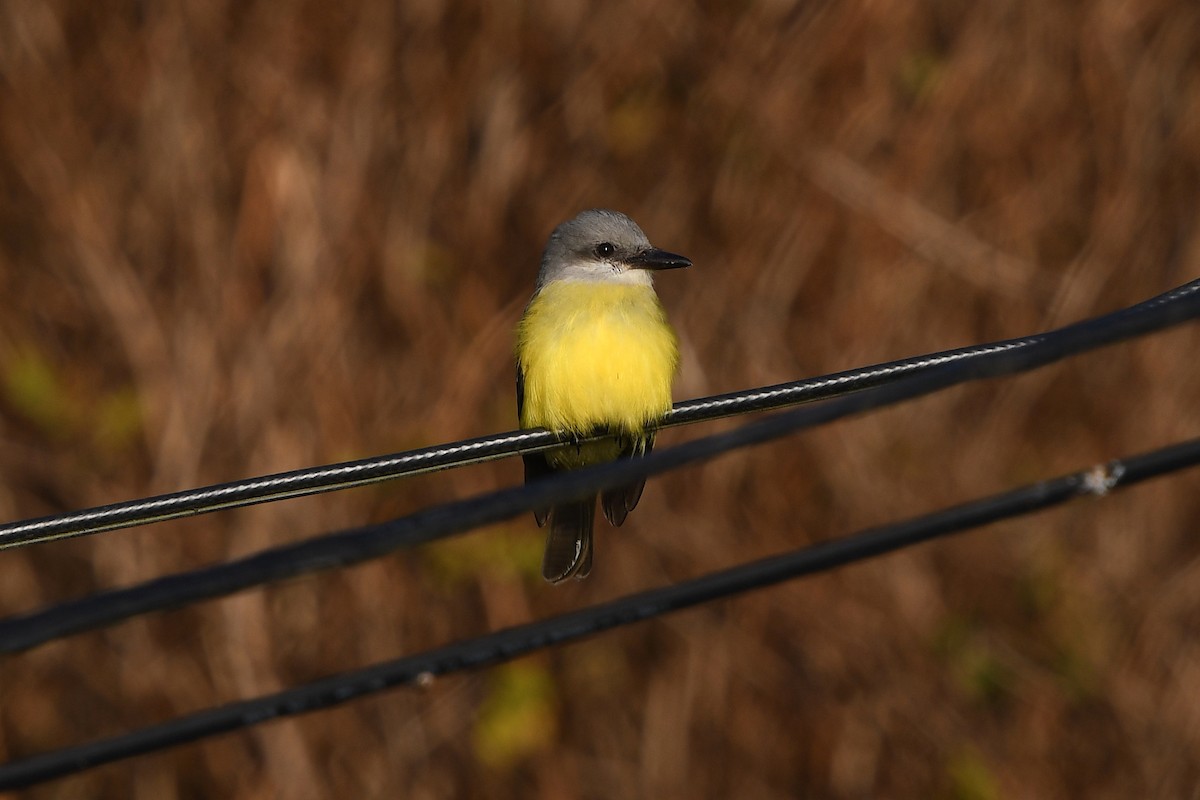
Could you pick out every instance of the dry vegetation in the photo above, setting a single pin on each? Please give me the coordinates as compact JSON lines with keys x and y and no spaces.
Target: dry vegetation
{"x":243,"y":237}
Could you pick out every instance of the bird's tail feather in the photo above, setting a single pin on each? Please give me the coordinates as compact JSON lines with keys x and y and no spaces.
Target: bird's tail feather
{"x":569,"y":542}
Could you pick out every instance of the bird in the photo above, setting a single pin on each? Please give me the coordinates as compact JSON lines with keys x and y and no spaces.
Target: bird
{"x":595,"y":355}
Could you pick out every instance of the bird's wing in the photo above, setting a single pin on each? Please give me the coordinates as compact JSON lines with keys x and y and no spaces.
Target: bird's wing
{"x":618,"y":502}
{"x":535,"y":463}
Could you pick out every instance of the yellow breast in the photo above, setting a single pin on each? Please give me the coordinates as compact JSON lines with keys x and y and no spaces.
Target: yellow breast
{"x":596,"y":355}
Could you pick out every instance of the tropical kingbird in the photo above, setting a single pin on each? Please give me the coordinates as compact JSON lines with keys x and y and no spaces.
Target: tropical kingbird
{"x":595,"y":354}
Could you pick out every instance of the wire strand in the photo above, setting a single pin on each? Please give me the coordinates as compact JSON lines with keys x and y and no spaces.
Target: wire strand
{"x":313,"y":480}
{"x":372,"y":541}
{"x":507,"y":644}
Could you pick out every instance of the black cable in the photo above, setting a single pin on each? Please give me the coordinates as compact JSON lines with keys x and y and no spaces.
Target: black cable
{"x":280,"y":486}
{"x":359,"y":544}
{"x":349,"y":474}
{"x":510,"y":643}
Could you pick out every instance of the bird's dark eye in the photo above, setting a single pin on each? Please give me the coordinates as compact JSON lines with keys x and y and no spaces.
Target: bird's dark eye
{"x":605,"y":249}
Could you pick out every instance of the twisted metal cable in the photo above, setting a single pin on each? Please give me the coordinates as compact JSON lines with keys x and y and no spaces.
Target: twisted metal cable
{"x":313,"y":480}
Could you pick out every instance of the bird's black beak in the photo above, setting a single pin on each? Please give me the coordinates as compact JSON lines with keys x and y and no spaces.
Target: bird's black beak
{"x":657,"y":259}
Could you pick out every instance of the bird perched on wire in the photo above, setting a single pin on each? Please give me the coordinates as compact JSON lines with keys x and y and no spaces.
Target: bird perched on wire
{"x":595,"y":354}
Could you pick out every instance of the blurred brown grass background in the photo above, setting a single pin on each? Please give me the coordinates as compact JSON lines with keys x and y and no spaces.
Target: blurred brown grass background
{"x":245,"y":237}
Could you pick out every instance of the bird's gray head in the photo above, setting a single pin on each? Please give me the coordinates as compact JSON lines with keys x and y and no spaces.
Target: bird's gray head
{"x":603,"y":245}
